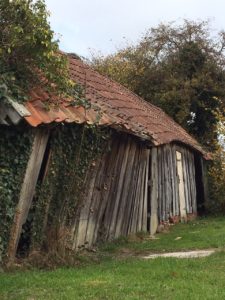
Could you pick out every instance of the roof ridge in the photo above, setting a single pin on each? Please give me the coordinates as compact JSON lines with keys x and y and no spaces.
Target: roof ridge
{"x":120,"y":108}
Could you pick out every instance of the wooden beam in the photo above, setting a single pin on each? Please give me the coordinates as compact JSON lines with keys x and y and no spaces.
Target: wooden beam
{"x":154,"y":192}
{"x":27,"y":190}
{"x":145,"y":205}
{"x":183,"y":212}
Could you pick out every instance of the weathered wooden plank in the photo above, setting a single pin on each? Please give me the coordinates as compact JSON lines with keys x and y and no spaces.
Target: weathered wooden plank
{"x":121,"y":177}
{"x":116,"y":172}
{"x":183,"y":213}
{"x":163,"y":185}
{"x":159,"y":174}
{"x":81,"y":226}
{"x":95,"y":205}
{"x":118,"y":158}
{"x":189,"y":181}
{"x":184,"y":166}
{"x":141,"y":196}
{"x":19,"y":108}
{"x":105,"y":192}
{"x":170,"y":180}
{"x":8,"y":115}
{"x":145,"y":198}
{"x":125,"y":190}
{"x":100,"y":195}
{"x":126,"y":226}
{"x":190,"y":207}
{"x":28,"y":189}
{"x":173,"y":178}
{"x":133,"y":227}
{"x":167,"y":183}
{"x":176,"y":182}
{"x":154,"y":191}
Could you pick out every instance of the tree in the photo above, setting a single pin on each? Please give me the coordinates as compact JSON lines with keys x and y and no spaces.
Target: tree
{"x":29,"y":54}
{"x":217,"y":172}
{"x":178,"y":68}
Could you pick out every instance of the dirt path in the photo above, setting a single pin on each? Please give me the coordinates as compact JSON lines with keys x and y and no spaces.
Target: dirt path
{"x":183,"y":254}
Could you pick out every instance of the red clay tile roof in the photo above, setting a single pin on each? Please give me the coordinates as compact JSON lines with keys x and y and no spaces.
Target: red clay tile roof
{"x":119,"y":108}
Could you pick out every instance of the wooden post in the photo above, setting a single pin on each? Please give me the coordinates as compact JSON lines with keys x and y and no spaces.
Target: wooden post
{"x":145,"y":205}
{"x":154,"y":192}
{"x":183,"y":213}
{"x":27,"y":190}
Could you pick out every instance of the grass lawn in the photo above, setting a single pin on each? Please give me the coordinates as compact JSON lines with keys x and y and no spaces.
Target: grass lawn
{"x":203,"y":233}
{"x":116,"y":276}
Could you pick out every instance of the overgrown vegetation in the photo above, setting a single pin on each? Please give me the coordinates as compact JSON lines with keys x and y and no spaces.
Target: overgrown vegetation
{"x":15,"y":146}
{"x":30,"y":59}
{"x":217,"y":173}
{"x":180,"y":68}
{"x":29,"y":52}
{"x":74,"y":151}
{"x":121,"y":276}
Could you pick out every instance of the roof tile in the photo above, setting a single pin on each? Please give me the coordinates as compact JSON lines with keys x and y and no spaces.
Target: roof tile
{"x":118,"y":106}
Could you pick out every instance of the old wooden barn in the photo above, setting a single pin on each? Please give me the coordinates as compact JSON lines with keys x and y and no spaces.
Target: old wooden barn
{"x":150,"y":170}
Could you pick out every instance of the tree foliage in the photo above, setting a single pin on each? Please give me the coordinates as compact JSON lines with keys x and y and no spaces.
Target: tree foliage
{"x":217,"y":172}
{"x":178,"y":68}
{"x":29,"y":52}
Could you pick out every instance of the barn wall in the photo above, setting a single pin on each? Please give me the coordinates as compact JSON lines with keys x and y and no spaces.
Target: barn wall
{"x":128,"y":189}
{"x":116,"y":201}
{"x":134,"y":189}
{"x":166,"y":182}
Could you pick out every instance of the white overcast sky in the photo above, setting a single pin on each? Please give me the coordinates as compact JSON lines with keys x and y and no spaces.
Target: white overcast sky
{"x":102,"y":25}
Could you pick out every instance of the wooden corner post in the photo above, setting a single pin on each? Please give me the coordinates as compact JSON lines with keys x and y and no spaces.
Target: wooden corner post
{"x":27,"y":190}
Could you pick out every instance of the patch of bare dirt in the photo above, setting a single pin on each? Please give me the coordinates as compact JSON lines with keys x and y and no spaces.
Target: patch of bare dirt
{"x":182,"y":254}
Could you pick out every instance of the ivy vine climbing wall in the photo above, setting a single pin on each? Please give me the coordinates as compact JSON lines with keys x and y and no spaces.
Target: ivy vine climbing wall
{"x":72,"y":150}
{"x":15,"y":147}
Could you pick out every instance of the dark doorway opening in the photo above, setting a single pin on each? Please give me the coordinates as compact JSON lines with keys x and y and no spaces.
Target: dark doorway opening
{"x":25,"y":237}
{"x":200,"y":191}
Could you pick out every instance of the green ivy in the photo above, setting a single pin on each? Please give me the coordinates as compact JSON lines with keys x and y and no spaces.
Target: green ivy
{"x":15,"y":147}
{"x":73,"y":149}
{"x":29,"y":51}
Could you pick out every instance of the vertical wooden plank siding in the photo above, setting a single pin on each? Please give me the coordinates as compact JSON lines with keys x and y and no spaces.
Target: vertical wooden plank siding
{"x":131,"y":195}
{"x":27,"y":190}
{"x":158,"y":160}
{"x":176,"y":182}
{"x":154,"y":192}
{"x":121,"y":215}
{"x":115,"y":204}
{"x":168,"y":182}
{"x":117,"y":200}
{"x":181,"y":189}
{"x":145,"y":198}
{"x":115,"y":176}
{"x":125,"y":181}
